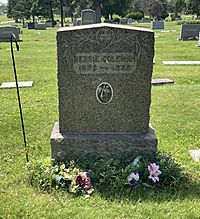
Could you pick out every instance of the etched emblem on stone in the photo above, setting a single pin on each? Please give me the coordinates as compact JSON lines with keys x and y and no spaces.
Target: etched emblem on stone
{"x":104,"y":93}
{"x":104,"y":36}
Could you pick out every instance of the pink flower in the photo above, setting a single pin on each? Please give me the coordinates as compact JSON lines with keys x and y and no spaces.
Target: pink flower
{"x":154,"y":172}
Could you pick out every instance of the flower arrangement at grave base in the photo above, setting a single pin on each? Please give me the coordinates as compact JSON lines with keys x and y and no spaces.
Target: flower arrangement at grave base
{"x":89,"y":174}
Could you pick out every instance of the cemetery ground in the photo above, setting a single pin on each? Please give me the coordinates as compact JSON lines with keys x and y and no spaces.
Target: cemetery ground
{"x":174,"y":115}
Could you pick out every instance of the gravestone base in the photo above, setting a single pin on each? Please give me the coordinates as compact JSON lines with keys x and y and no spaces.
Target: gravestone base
{"x":71,"y":146}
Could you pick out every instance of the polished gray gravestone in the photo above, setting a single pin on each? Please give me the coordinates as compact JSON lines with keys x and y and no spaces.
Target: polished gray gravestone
{"x":123,"y":20}
{"x":189,"y":31}
{"x":31,"y":25}
{"x":13,"y":84}
{"x":40,"y":26}
{"x":145,"y":20}
{"x":104,"y":85}
{"x":88,"y":16}
{"x":155,"y":25}
{"x":7,"y":31}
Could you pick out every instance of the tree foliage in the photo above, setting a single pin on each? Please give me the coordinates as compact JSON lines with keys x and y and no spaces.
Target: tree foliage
{"x":22,"y":9}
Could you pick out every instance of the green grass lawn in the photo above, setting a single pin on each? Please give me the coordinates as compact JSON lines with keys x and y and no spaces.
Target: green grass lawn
{"x":4,"y":18}
{"x":174,"y":115}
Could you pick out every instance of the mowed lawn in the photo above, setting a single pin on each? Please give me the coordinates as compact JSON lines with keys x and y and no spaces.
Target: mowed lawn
{"x":175,"y":115}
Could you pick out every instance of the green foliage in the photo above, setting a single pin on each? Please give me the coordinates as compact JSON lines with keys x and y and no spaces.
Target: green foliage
{"x":108,"y":175}
{"x":188,"y":22}
{"x":174,"y":17}
{"x":41,"y":173}
{"x":135,"y":15}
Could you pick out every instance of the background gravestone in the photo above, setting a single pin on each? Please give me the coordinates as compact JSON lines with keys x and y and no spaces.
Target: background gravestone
{"x":7,"y":31}
{"x":88,"y":16}
{"x":31,"y":25}
{"x":104,"y":83}
{"x":49,"y":24}
{"x":157,"y":25}
{"x":145,"y":20}
{"x":189,"y":31}
{"x":123,"y":20}
{"x":40,"y":26}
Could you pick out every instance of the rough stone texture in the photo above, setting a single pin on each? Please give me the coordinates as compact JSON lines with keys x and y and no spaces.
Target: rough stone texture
{"x":7,"y":31}
{"x":195,"y":154}
{"x":101,"y":144}
{"x":13,"y":84}
{"x":181,"y":62}
{"x":90,"y":55}
{"x":88,"y":16}
{"x":161,"y":81}
{"x":157,"y":25}
{"x":189,"y":31}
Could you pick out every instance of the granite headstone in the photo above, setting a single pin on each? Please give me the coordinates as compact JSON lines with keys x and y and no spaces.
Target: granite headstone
{"x":40,"y":26}
{"x":104,"y":85}
{"x":145,"y":20}
{"x":88,"y":16}
{"x":189,"y":31}
{"x":31,"y":25}
{"x":7,"y":31}
{"x":155,"y":25}
{"x":123,"y":20}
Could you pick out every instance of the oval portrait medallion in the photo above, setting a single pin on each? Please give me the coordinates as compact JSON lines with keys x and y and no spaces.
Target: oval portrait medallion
{"x":104,"y":93}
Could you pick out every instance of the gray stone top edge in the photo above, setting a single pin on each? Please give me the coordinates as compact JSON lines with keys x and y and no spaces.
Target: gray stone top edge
{"x":89,"y":26}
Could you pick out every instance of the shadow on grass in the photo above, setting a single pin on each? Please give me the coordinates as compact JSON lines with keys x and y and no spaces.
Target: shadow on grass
{"x":189,"y":191}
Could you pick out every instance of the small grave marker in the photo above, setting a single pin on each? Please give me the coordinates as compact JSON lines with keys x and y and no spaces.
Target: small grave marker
{"x":181,"y":62}
{"x":195,"y":154}
{"x":20,"y":84}
{"x":161,"y":81}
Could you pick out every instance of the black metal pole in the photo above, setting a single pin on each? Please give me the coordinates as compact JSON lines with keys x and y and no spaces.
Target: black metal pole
{"x":18,"y":96}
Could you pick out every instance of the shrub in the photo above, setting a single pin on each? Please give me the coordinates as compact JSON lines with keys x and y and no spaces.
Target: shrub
{"x":188,"y":22}
{"x":135,"y":15}
{"x":173,"y":18}
{"x":116,"y":18}
{"x":107,"y":175}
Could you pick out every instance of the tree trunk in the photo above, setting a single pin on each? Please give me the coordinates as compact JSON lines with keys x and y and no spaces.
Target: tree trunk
{"x":51,"y":12}
{"x":97,"y":5}
{"x":111,"y":15}
{"x":33,"y":18}
{"x":61,"y":13}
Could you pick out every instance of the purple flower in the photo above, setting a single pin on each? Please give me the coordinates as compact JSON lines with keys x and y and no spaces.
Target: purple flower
{"x":154,"y":172}
{"x":133,"y":179}
{"x":83,"y":180}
